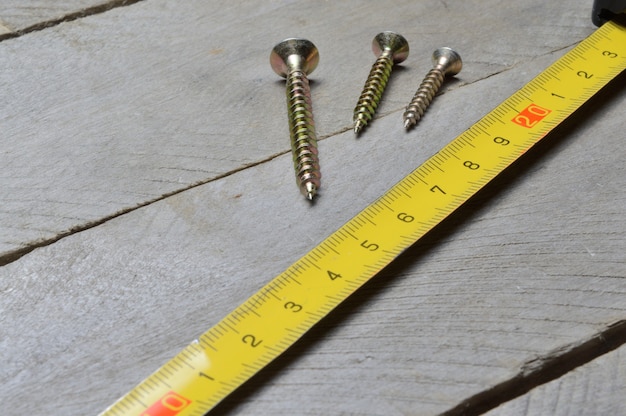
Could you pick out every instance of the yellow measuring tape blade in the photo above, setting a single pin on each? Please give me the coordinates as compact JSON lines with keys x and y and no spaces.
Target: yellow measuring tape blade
{"x":270,"y":321}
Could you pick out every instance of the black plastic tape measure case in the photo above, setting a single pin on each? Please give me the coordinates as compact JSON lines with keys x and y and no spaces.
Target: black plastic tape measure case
{"x":604,"y":10}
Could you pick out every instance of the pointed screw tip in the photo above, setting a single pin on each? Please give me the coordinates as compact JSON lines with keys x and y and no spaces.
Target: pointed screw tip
{"x":407,"y":123}
{"x":358,"y":126}
{"x":310,"y":191}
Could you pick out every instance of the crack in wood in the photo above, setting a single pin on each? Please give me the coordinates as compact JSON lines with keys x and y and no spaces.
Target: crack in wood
{"x":14,"y":255}
{"x":544,"y":369}
{"x":89,"y":11}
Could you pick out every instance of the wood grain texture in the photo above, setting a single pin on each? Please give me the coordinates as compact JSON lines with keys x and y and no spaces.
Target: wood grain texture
{"x":107,"y":113}
{"x":531,"y":267}
{"x":597,"y":388}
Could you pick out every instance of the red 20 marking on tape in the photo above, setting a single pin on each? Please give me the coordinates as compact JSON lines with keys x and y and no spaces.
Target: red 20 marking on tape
{"x":531,"y":115}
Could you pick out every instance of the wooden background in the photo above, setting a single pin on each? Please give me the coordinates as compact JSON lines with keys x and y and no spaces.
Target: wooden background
{"x":146,"y":189}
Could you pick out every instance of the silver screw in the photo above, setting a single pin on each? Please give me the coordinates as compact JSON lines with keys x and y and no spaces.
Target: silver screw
{"x":446,"y":62}
{"x":293,"y":59}
{"x":391,"y":48}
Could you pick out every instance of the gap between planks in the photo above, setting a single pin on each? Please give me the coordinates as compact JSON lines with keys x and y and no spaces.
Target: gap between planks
{"x":15,"y":255}
{"x":89,"y":11}
{"x":544,"y":369}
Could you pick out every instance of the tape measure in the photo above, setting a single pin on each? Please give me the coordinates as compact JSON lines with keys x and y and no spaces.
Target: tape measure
{"x":274,"y":318}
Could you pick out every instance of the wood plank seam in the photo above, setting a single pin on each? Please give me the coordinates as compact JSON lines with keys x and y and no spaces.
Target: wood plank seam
{"x":89,"y":11}
{"x":14,"y":255}
{"x":544,"y":369}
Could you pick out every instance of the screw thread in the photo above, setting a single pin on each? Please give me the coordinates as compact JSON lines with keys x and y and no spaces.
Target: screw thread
{"x":423,"y":97}
{"x":373,"y":90}
{"x":302,"y":132}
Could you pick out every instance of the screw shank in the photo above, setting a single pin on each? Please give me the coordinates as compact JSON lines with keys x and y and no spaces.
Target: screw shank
{"x":423,"y":96}
{"x":373,"y":90}
{"x":302,"y":133}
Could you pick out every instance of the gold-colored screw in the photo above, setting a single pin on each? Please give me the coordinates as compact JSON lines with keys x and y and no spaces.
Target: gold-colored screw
{"x":446,"y":62}
{"x":293,"y":59}
{"x":391,"y":48}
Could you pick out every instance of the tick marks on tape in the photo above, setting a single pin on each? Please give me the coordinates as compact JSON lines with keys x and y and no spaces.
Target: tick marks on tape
{"x":294,"y":59}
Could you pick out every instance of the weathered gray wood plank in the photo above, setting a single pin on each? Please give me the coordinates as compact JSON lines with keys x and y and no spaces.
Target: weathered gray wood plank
{"x":109,"y":112}
{"x":534,"y":265}
{"x":20,"y":15}
{"x":597,"y":388}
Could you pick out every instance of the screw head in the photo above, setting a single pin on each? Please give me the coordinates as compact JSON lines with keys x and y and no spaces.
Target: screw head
{"x":294,"y":52}
{"x":448,"y":61}
{"x":394,"y":42}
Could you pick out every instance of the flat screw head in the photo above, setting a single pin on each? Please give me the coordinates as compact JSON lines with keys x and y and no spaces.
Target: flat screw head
{"x":393,"y":42}
{"x":292,"y":53}
{"x":448,"y":61}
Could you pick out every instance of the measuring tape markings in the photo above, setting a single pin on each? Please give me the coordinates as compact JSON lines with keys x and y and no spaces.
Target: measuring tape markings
{"x":274,"y":318}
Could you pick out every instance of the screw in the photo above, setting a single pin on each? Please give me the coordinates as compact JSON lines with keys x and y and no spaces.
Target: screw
{"x":446,"y":62}
{"x":391,"y":48}
{"x":293,"y":59}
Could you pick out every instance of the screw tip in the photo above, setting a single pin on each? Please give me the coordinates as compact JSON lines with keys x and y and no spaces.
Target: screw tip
{"x":310,"y":190}
{"x":408,"y":123}
{"x":358,"y":126}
